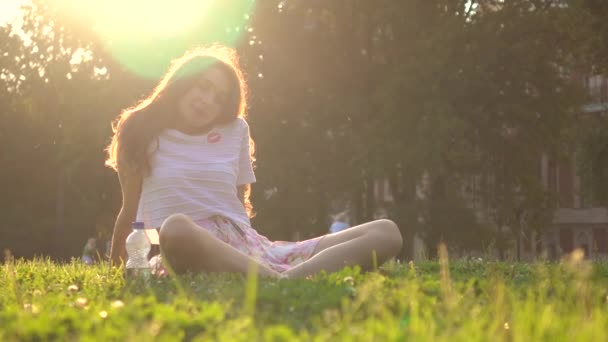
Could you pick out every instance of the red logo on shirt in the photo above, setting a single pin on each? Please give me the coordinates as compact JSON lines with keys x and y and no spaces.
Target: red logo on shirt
{"x":213,"y":137}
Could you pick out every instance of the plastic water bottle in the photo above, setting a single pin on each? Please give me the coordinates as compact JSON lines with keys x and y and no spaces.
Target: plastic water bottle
{"x":138,"y":247}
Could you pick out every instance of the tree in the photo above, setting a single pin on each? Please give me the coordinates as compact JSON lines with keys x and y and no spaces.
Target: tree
{"x":450,"y":90}
{"x":451,"y":101}
{"x":56,"y":87}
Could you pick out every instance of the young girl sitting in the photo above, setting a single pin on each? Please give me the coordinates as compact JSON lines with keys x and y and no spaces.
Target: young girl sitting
{"x":184,"y":161}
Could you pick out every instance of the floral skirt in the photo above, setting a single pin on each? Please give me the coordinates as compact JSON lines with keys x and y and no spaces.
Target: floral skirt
{"x":278,"y":255}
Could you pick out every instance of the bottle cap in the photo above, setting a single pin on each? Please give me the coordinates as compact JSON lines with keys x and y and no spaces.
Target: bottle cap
{"x":137,"y":225}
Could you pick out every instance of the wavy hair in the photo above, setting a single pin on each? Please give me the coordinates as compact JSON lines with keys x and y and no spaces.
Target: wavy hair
{"x":137,"y":127}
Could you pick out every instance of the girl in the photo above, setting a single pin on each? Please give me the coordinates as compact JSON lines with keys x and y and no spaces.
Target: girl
{"x":184,"y":161}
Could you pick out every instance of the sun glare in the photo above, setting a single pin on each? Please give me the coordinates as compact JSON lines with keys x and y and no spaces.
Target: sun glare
{"x":154,"y":18}
{"x":144,"y":35}
{"x":10,"y":10}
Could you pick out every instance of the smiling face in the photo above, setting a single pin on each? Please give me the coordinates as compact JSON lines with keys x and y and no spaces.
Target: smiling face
{"x":204,"y":102}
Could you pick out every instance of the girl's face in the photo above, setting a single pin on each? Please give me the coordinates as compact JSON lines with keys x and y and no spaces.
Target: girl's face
{"x":203,"y":103}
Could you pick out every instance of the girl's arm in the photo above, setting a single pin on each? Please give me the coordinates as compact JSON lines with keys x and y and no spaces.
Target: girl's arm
{"x":130,"y":184}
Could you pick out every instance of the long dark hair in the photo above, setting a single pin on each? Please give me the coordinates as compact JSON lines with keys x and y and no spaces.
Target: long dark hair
{"x":138,"y":126}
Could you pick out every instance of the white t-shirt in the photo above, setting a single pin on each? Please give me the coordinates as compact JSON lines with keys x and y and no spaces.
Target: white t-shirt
{"x":197,"y":175}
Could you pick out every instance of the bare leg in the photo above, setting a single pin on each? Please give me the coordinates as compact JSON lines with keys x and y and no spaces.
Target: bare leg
{"x":188,"y":247}
{"x":353,"y":246}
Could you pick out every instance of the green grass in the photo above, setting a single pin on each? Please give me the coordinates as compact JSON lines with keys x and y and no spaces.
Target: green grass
{"x":468,"y":300}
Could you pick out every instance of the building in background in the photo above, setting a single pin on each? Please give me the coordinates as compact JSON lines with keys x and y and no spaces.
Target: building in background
{"x":577,"y":223}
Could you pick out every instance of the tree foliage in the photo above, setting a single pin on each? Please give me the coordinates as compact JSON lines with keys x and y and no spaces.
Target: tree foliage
{"x":452,"y":102}
{"x":58,"y":100}
{"x":408,"y":89}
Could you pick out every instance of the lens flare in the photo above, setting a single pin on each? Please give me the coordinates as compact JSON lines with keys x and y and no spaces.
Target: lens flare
{"x":145,"y":35}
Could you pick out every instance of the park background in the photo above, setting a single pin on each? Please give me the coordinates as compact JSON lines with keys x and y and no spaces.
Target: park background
{"x":477,"y":123}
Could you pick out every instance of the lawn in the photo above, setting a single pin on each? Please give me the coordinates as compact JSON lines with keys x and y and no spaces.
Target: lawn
{"x":467,"y":300}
